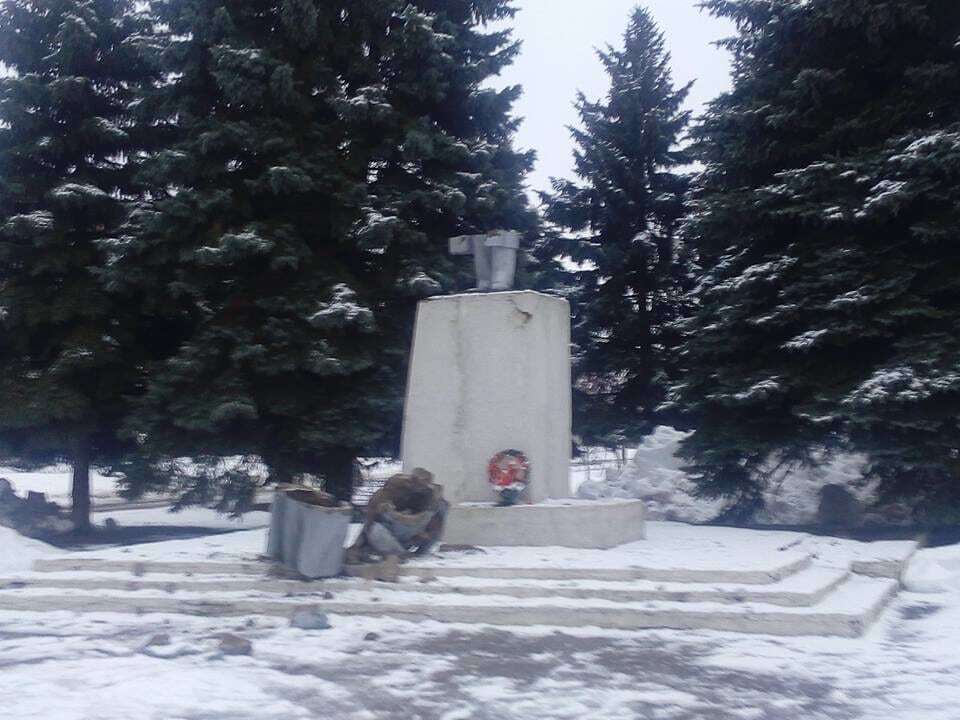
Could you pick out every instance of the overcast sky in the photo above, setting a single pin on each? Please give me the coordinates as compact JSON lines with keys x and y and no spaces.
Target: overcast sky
{"x":557,"y":59}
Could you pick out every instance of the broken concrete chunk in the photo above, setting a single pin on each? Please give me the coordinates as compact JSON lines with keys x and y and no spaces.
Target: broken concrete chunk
{"x":234,"y":645}
{"x":310,"y":619}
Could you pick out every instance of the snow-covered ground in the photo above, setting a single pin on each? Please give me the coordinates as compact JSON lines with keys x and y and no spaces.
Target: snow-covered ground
{"x":54,"y":482}
{"x":65,"y":666}
{"x":188,"y":517}
{"x":17,"y":553}
{"x":650,"y":472}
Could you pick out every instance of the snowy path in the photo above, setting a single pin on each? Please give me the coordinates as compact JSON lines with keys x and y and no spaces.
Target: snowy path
{"x":92,"y":668}
{"x":65,"y":666}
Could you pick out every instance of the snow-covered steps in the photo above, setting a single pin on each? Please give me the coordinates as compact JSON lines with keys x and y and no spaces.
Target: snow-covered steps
{"x":883,"y":558}
{"x":683,"y":577}
{"x":889,"y":559}
{"x":786,"y":567}
{"x":803,"y":589}
{"x":846,"y":612}
{"x":688,"y":562}
{"x":139,"y":567}
{"x":757,"y":571}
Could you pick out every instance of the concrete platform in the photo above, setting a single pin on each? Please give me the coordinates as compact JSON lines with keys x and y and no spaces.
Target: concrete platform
{"x":554,"y":523}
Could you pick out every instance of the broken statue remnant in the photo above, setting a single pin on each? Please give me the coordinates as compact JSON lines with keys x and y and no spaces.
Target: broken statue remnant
{"x":307,"y":531}
{"x":494,"y":257}
{"x":404,"y":517}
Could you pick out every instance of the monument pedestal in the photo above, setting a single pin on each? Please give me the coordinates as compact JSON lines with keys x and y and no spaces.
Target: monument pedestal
{"x":599,"y":524}
{"x":491,"y":372}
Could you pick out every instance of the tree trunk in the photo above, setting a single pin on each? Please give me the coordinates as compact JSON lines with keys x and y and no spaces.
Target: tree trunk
{"x":80,"y":513}
{"x":339,"y":473}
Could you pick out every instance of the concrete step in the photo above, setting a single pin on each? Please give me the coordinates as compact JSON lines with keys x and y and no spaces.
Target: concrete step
{"x":890,"y":559}
{"x":803,"y":589}
{"x":847,"y":611}
{"x":761,"y":576}
{"x":635,"y":561}
{"x":777,"y":569}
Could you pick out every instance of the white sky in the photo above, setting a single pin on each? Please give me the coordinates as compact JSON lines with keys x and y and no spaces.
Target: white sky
{"x":557,"y":59}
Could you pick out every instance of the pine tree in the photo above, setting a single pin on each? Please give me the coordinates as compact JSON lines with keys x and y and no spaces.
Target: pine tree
{"x":440,"y":144}
{"x":826,"y":221}
{"x":312,"y":170}
{"x":441,"y":160}
{"x":68,"y":354}
{"x":617,"y":224}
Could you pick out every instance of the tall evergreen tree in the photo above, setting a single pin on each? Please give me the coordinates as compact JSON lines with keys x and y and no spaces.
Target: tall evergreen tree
{"x":440,"y":147}
{"x":440,"y":157}
{"x":68,"y":354}
{"x":827,"y":220}
{"x":315,"y":166}
{"x":617,"y":224}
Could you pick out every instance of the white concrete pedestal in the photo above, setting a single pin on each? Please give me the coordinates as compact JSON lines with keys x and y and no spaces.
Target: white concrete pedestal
{"x":597,"y":524}
{"x":491,"y":372}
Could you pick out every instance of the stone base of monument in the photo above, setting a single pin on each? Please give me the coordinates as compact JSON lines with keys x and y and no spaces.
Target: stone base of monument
{"x":561,"y":523}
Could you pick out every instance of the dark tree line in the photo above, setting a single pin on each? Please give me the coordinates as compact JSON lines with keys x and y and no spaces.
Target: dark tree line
{"x":809,"y":302}
{"x":216,"y":219}
{"x":826,"y":223}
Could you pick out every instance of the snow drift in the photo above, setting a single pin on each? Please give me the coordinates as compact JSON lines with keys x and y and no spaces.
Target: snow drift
{"x":654,"y":475}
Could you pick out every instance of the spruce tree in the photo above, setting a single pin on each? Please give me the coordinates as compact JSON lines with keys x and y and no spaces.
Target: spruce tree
{"x":618,"y":225}
{"x":313,"y":163}
{"x":68,"y":354}
{"x":440,"y":143}
{"x":826,"y":221}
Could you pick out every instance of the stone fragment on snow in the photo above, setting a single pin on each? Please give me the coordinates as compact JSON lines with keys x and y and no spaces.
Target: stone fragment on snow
{"x":161,"y":646}
{"x":157,"y":640}
{"x":310,"y":619}
{"x":388,"y":570}
{"x":234,"y":645}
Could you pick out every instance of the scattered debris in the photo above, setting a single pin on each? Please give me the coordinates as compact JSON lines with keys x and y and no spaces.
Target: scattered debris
{"x":469,"y":549}
{"x":388,"y":570}
{"x":234,"y":645}
{"x":310,"y":619}
{"x":159,"y":639}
